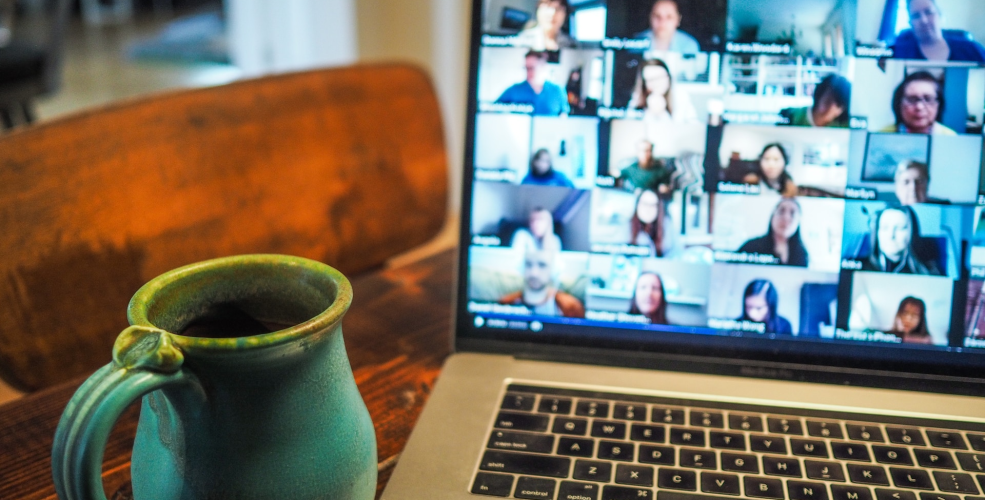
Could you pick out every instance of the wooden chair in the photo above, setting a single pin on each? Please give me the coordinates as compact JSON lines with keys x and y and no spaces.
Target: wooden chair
{"x":346,"y":166}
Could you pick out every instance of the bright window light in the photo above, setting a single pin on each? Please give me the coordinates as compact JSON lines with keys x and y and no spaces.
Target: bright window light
{"x":589,"y":24}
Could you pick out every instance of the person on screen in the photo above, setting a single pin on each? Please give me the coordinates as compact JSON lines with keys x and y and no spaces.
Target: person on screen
{"x":546,"y":97}
{"x":539,"y":233}
{"x":649,"y":299}
{"x":918,"y":104}
{"x":646,"y":172}
{"x":540,"y":292}
{"x":896,"y":244}
{"x":832,"y":102}
{"x":664,"y":33}
{"x":646,"y":229}
{"x":759,"y":305}
{"x":912,"y":180}
{"x":545,"y":33}
{"x":927,"y":40}
{"x":772,"y":172}
{"x":782,"y":239}
{"x":542,"y":172}
{"x":910,"y":323}
{"x":654,"y":95}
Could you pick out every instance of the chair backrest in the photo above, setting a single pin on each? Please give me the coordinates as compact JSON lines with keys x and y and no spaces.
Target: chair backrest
{"x":44,"y":26}
{"x":346,"y":166}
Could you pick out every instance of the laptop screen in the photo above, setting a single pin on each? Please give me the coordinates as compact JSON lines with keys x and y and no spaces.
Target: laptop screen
{"x":771,"y":179}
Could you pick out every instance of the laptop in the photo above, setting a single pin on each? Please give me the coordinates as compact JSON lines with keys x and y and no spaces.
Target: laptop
{"x":716,"y":249}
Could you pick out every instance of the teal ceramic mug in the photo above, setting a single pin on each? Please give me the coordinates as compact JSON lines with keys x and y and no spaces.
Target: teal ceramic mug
{"x":247,"y":389}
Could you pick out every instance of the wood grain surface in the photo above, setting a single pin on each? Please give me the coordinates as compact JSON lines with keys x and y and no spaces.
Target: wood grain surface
{"x":398,"y":333}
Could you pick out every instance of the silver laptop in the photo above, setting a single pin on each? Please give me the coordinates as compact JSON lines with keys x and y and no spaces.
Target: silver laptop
{"x":716,"y":249}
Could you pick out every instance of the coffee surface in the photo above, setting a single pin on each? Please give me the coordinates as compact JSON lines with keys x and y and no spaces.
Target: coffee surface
{"x":227,"y":320}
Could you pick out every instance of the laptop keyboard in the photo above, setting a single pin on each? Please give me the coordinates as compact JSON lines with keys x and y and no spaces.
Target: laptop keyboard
{"x":548,"y":443}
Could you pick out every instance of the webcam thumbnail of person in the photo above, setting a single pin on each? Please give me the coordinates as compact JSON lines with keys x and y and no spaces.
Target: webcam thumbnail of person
{"x":934,"y":30}
{"x":520,"y":80}
{"x":543,"y":25}
{"x":782,"y":27}
{"x":902,"y":309}
{"x":669,"y":88}
{"x":667,"y":26}
{"x":530,"y":217}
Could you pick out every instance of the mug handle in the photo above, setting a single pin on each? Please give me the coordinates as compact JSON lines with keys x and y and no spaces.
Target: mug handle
{"x":145,"y":359}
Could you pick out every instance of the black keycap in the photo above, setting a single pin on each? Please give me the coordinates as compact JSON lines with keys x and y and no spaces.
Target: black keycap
{"x":762,"y":487}
{"x":520,"y":463}
{"x":557,"y":406}
{"x":850,"y":451}
{"x":884,"y":494}
{"x":629,"y":412}
{"x":946,"y":439}
{"x":892,"y":455}
{"x":871,"y":433}
{"x":935,"y":459}
{"x":974,"y":462}
{"x":781,"y":466}
{"x":518,"y":402}
{"x":676,"y":479}
{"x":839,"y":492}
{"x":818,"y":428}
{"x":667,"y":415}
{"x":592,"y":409}
{"x":571,"y":426}
{"x":518,"y":441}
{"x":586,"y":470}
{"x":648,"y":433}
{"x":828,"y":471}
{"x":575,"y":447}
{"x":570,"y":490}
{"x":634,"y":475}
{"x":626,"y":493}
{"x":977,"y":441}
{"x":687,"y":437}
{"x":784,"y":425}
{"x":808,"y":448}
{"x":752,"y":423}
{"x":616,"y":451}
{"x":727,"y":440}
{"x":955,"y":482}
{"x":659,"y":455}
{"x":606,"y":429}
{"x":768,"y":444}
{"x":737,"y":462}
{"x":938,"y":496}
{"x":494,"y":485}
{"x":521,"y":422}
{"x":905,"y":435}
{"x":868,"y":474}
{"x":911,"y":478}
{"x":712,"y":419}
{"x":723,"y":484}
{"x":698,"y":459}
{"x":534,"y":488}
{"x":802,"y":490}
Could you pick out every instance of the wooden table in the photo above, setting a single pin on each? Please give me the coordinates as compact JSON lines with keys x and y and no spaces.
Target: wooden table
{"x":398,"y":333}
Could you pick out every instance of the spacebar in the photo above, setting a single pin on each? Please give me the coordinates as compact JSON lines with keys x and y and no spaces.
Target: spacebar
{"x":673,"y":495}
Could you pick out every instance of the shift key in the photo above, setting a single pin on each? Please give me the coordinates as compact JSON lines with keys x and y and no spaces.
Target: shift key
{"x":521,"y":422}
{"x":521,"y":463}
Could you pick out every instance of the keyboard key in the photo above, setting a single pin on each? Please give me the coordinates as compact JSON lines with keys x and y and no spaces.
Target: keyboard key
{"x":850,"y":451}
{"x":938,"y":496}
{"x":518,"y":441}
{"x":752,"y":423}
{"x":570,"y":490}
{"x":779,"y":425}
{"x":955,"y":482}
{"x":737,"y":462}
{"x":675,"y":479}
{"x":592,"y":471}
{"x":648,"y":433}
{"x":977,"y":441}
{"x":687,"y":437}
{"x":768,"y":444}
{"x":634,"y":475}
{"x":808,"y":448}
{"x":971,"y":461}
{"x":606,"y":429}
{"x":521,"y":422}
{"x":723,"y":484}
{"x":518,"y":402}
{"x":711,"y":419}
{"x":828,"y":471}
{"x":626,"y":493}
{"x":905,"y":435}
{"x":574,"y":447}
{"x":698,"y":459}
{"x":557,"y":406}
{"x":817,"y":428}
{"x":592,"y":409}
{"x":911,"y":478}
{"x":870,"y":433}
{"x":534,"y":488}
{"x":892,"y":455}
{"x":616,"y":451}
{"x":629,"y":412}
{"x":659,"y":455}
{"x":884,"y":494}
{"x":802,"y":490}
{"x":667,"y":415}
{"x":781,"y":466}
{"x":519,"y":463}
{"x":839,"y":492}
{"x":868,"y":474}
{"x":727,"y":440}
{"x":945,"y":439}
{"x":935,"y":459}
{"x":762,"y":487}
{"x":571,"y":426}
{"x":494,"y":485}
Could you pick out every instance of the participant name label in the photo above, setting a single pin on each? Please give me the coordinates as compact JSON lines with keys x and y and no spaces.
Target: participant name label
{"x":500,"y":41}
{"x":864,"y":50}
{"x":856,"y":193}
{"x":486,"y":308}
{"x":867,"y":336}
{"x":979,"y":343}
{"x":486,"y":241}
{"x":747,"y":258}
{"x":616,"y":317}
{"x":753,"y":118}
{"x":733,"y":188}
{"x":737,"y":325}
{"x":758,"y":48}
{"x":489,"y":175}
{"x":620,"y":249}
{"x":619,"y":113}
{"x":851,"y":264}
{"x":626,"y":43}
{"x":499,"y":107}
